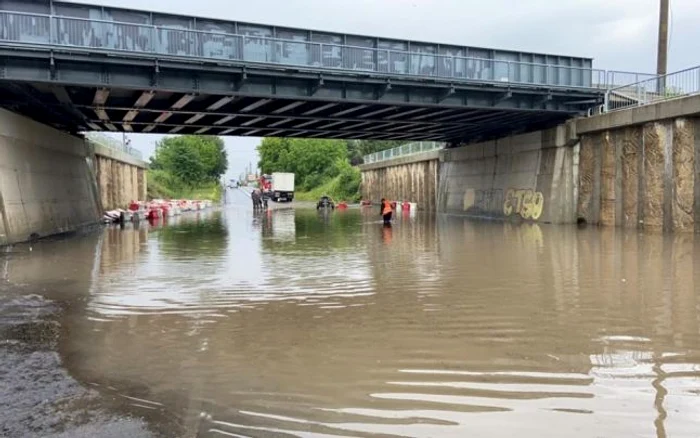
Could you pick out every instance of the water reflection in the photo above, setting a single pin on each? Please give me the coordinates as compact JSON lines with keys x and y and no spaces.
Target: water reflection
{"x":197,"y":235}
{"x":295,"y":323}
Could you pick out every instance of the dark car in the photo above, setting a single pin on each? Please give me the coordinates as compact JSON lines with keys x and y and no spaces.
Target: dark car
{"x":325,"y":202}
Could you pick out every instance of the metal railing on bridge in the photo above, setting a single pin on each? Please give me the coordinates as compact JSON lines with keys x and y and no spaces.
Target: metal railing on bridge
{"x":403,"y":150}
{"x":655,"y":89}
{"x":616,"y":79}
{"x":111,"y":143}
{"x":109,"y":36}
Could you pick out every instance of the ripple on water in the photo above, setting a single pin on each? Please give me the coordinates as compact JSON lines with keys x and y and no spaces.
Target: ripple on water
{"x":329,"y":325}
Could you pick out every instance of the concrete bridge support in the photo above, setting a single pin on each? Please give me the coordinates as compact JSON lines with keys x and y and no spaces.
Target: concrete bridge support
{"x":530,"y":176}
{"x":47,"y":185}
{"x":52,"y":182}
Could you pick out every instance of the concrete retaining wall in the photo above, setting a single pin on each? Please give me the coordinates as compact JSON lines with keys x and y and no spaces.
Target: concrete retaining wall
{"x":47,"y":184}
{"x":640,"y":167}
{"x":121,"y":178}
{"x":413,"y":178}
{"x":645,"y":175}
{"x":531,"y":176}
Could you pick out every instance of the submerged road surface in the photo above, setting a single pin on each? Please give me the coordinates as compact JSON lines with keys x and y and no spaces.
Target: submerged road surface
{"x":298,"y":323}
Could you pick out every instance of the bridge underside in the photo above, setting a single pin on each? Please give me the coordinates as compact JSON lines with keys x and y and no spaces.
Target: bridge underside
{"x":80,"y":91}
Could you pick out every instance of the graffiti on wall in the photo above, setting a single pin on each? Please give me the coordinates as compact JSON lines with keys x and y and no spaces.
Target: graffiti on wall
{"x":524,"y":202}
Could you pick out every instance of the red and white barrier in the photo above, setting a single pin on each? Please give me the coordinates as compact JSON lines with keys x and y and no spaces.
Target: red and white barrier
{"x":155,"y":209}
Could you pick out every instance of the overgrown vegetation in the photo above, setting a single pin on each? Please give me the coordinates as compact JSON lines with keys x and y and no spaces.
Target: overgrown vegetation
{"x":321,"y":167}
{"x":343,"y":187}
{"x":187,"y":167}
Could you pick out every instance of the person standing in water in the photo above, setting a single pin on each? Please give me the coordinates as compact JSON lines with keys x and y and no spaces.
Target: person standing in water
{"x":255,"y":197}
{"x":386,"y":211}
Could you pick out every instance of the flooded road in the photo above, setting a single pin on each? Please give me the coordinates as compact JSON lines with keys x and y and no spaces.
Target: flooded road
{"x":294,"y":323}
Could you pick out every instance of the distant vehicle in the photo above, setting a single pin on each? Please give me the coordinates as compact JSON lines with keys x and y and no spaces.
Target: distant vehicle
{"x":325,"y":202}
{"x":282,"y":187}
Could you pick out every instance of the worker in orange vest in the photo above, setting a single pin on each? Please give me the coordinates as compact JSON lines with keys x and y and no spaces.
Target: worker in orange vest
{"x":386,"y":211}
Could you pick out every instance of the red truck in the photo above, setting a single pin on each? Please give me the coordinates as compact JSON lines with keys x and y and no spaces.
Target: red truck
{"x":265,"y":183}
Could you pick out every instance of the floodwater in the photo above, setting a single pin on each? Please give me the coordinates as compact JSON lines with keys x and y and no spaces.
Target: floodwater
{"x":294,"y":323}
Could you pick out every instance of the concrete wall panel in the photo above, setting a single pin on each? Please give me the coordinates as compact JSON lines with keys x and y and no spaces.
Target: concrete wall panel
{"x":412,"y":181}
{"x":654,"y":167}
{"x":518,"y":177}
{"x":683,"y":175}
{"x":586,"y":176}
{"x":607,"y":175}
{"x":631,"y":151}
{"x":648,"y":175}
{"x":525,"y":179}
{"x":45,"y":180}
{"x":119,"y":182}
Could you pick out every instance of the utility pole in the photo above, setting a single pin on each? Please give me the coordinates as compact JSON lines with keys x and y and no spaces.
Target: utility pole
{"x":662,"y":54}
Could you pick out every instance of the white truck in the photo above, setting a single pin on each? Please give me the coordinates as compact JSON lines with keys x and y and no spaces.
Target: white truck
{"x":282,"y":187}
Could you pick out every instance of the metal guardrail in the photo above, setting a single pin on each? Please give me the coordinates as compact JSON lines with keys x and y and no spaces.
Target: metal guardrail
{"x":49,"y":30}
{"x":403,"y":150}
{"x":616,"y":79}
{"x":114,"y":144}
{"x":658,"y":88}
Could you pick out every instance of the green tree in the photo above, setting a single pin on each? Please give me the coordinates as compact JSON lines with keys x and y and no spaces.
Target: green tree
{"x":212,"y":154}
{"x":192,"y":159}
{"x":313,"y":161}
{"x":186,"y":164}
{"x":270,"y":151}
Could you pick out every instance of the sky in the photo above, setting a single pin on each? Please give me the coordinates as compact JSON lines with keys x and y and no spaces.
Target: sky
{"x":617,"y":34}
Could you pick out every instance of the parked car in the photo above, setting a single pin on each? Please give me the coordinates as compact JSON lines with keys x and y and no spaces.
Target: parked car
{"x":325,"y":202}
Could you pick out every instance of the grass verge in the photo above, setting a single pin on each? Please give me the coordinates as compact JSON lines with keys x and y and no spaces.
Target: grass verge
{"x":162,"y":185}
{"x":337,"y":188}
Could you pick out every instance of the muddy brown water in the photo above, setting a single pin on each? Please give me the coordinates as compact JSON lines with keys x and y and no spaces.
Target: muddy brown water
{"x":295,"y":323}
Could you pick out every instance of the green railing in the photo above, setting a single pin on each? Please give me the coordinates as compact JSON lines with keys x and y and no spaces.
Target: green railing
{"x":403,"y":150}
{"x":114,"y":144}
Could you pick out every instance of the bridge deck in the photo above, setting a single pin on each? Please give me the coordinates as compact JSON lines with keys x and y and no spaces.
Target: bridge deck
{"x":102,"y":74}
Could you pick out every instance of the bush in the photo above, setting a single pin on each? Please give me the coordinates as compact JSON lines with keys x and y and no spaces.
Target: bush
{"x":344,"y":187}
{"x":348,"y":181}
{"x":163,"y":185}
{"x":187,"y":167}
